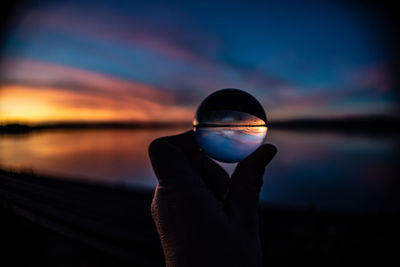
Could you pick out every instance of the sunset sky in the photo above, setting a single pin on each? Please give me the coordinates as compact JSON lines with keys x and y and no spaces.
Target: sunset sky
{"x":156,"y":60}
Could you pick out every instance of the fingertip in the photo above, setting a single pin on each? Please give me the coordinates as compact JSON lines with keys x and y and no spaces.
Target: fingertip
{"x":152,"y":147}
{"x":184,"y":140}
{"x":259,"y":158}
{"x":264,"y":151}
{"x":155,"y":146}
{"x":269,"y":149}
{"x":188,"y":133}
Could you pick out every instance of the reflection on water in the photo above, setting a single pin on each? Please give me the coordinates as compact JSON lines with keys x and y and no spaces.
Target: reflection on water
{"x":230,"y":144}
{"x":118,"y":156}
{"x":311,"y":169}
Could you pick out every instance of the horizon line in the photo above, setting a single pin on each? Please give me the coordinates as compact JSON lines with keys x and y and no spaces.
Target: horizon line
{"x":139,"y":122}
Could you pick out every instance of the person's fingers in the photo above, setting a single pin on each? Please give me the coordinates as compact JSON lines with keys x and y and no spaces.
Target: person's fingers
{"x":185,"y":141}
{"x":180,"y":180}
{"x":180,"y":154}
{"x":246,"y":181}
{"x":215,"y":177}
{"x":170,"y":158}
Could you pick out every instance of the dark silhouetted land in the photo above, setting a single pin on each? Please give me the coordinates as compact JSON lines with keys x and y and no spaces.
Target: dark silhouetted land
{"x":17,"y":128}
{"x":345,"y":124}
{"x":382,"y":124}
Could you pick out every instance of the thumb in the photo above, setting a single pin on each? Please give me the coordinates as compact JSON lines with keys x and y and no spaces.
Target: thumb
{"x":246,"y":181}
{"x":170,"y":159}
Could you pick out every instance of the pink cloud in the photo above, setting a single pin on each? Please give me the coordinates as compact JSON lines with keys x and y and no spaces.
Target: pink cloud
{"x":378,"y":77}
{"x":105,"y":25}
{"x":45,"y":74}
{"x":65,"y":93}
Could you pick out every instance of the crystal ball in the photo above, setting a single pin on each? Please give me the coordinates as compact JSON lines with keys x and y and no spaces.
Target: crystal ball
{"x":230,"y":124}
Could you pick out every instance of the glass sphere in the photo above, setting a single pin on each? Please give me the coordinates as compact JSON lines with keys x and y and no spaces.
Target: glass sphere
{"x":230,"y":124}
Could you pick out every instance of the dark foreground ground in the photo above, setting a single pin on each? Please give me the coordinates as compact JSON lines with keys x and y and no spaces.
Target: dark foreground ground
{"x":53,"y":222}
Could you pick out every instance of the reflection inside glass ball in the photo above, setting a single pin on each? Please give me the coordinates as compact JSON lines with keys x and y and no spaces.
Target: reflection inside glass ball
{"x":230,"y":124}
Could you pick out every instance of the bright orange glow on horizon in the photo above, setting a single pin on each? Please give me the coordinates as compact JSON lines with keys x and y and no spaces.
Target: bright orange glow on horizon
{"x":35,"y":105}
{"x":85,"y":96}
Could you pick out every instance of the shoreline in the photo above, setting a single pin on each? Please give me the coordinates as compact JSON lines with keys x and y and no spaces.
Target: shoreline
{"x":372,"y":124}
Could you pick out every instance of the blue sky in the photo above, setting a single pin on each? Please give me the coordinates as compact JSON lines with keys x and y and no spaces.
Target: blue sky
{"x":308,"y":59}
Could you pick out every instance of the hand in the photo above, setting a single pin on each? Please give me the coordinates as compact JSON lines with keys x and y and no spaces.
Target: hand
{"x":204,"y":218}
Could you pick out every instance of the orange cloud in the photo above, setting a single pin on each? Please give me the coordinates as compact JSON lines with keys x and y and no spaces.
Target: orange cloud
{"x":38,"y":92}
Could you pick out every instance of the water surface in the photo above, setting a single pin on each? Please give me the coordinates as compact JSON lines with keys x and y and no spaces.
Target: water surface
{"x":317,"y":170}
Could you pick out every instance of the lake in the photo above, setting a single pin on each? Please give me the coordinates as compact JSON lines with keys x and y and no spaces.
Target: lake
{"x":328,"y":171}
